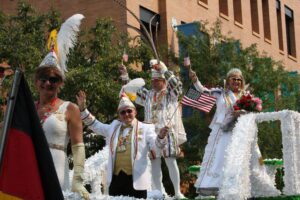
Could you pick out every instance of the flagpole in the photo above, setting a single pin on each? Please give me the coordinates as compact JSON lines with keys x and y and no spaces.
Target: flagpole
{"x":168,"y":124}
{"x":9,"y":111}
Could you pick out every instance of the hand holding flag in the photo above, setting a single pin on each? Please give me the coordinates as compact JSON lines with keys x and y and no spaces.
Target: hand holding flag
{"x":125,"y":57}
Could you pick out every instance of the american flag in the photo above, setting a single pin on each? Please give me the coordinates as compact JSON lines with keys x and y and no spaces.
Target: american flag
{"x":198,"y":100}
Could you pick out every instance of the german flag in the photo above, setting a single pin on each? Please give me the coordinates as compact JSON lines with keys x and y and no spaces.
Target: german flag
{"x":26,"y":166}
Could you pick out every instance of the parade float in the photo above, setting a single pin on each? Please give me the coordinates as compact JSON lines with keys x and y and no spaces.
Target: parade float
{"x":237,"y":183}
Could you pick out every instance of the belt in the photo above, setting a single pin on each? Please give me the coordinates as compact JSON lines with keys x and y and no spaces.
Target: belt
{"x":58,"y":147}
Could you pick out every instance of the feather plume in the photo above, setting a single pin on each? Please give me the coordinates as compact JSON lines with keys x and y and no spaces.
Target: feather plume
{"x":67,"y":38}
{"x":131,"y":88}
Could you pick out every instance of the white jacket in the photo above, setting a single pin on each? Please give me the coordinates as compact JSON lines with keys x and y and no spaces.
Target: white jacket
{"x":143,"y":139}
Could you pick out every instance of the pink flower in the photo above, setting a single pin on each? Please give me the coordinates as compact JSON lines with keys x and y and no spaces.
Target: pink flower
{"x":257,"y":100}
{"x":258,"y":107}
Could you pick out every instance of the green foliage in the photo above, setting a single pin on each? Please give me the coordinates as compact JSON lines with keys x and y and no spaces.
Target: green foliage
{"x":92,"y":65}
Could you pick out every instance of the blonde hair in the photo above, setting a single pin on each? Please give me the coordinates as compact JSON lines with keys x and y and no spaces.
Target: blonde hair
{"x":232,"y":72}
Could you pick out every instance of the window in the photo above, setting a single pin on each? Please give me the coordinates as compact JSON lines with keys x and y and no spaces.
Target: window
{"x":146,"y":16}
{"x":203,"y":1}
{"x":279,"y":24}
{"x":223,"y":7}
{"x":254,"y":16}
{"x":290,"y":31}
{"x":266,"y":19}
{"x":237,"y":11}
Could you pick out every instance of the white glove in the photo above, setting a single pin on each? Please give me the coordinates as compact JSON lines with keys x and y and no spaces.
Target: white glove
{"x":78,"y":161}
{"x":124,"y":74}
{"x":193,"y":76}
{"x":160,"y":67}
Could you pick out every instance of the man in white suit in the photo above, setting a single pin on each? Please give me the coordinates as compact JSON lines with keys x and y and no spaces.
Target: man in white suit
{"x":129,"y":141}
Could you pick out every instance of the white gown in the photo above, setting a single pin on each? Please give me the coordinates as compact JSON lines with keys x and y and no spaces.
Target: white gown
{"x":211,"y":173}
{"x":55,"y":128}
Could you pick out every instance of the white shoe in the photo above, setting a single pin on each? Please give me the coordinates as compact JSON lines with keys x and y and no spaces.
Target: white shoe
{"x":205,"y":197}
{"x":179,"y":196}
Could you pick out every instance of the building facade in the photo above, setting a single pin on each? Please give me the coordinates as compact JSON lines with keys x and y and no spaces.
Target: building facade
{"x":271,"y":24}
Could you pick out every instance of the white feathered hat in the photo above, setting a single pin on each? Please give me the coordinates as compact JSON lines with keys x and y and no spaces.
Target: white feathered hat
{"x":128,"y":93}
{"x":131,"y":88}
{"x":61,"y":44}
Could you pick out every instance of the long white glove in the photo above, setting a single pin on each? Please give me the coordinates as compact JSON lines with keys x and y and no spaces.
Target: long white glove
{"x":78,"y":161}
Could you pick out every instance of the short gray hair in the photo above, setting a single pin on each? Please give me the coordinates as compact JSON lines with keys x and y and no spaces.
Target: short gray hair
{"x":234,"y":71}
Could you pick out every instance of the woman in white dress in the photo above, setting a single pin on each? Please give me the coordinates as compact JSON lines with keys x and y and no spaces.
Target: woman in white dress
{"x":61,"y":119}
{"x":210,"y":177}
{"x":61,"y":122}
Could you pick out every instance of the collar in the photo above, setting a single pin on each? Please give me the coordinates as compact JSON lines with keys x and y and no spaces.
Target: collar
{"x":123,"y":125}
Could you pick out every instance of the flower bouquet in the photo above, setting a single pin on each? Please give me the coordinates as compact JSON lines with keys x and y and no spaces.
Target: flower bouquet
{"x":248,"y":103}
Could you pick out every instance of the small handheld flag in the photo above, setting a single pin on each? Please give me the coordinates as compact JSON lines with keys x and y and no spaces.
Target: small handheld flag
{"x":125,"y":57}
{"x":198,"y":100}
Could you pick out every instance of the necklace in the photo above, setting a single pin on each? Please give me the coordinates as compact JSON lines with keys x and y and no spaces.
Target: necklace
{"x":45,"y":111}
{"x":124,"y":139}
{"x":156,"y":106}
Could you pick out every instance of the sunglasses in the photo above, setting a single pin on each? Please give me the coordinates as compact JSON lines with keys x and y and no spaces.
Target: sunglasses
{"x":128,"y":111}
{"x":236,"y":79}
{"x":51,"y":79}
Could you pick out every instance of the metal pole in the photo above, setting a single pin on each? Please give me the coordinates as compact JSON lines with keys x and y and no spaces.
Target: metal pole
{"x":9,"y":112}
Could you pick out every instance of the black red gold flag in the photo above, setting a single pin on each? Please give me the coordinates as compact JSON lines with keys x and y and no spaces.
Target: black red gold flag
{"x":26,"y":166}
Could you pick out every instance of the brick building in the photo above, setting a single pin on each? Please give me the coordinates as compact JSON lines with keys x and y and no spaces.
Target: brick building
{"x":272,"y":24}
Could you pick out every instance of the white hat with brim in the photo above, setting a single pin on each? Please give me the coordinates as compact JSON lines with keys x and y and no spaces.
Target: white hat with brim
{"x":125,"y":102}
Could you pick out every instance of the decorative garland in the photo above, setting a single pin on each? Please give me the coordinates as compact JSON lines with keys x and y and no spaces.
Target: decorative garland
{"x":242,"y":181}
{"x":94,"y":174}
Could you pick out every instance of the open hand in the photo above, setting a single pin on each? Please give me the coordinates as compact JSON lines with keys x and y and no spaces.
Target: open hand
{"x":81,"y":100}
{"x":122,"y":69}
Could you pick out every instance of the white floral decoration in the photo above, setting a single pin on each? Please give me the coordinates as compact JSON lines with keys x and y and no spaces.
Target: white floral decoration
{"x":95,"y":175}
{"x":242,"y":181}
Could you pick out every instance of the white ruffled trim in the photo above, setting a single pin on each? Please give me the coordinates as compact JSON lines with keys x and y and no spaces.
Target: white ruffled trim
{"x":241,"y":183}
{"x":94,"y":174}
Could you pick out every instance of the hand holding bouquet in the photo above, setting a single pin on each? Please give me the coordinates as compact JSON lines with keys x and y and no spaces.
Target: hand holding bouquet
{"x":248,"y":103}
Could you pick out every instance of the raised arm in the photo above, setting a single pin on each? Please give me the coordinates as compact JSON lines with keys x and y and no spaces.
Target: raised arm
{"x":88,"y":118}
{"x":174,"y":85}
{"x":197,"y":84}
{"x":124,"y":74}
